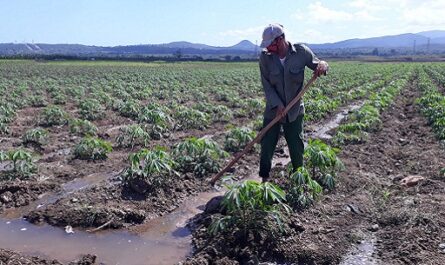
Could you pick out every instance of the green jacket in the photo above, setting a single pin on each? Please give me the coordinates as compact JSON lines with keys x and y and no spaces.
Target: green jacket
{"x":282,"y":84}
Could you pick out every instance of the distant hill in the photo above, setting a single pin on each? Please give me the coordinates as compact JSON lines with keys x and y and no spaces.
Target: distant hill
{"x":431,"y":41}
{"x":393,"y":41}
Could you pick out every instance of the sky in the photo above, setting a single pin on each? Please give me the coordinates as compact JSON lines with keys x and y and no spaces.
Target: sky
{"x":216,"y":23}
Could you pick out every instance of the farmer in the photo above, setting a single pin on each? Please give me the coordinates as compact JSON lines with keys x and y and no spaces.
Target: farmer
{"x":282,"y":67}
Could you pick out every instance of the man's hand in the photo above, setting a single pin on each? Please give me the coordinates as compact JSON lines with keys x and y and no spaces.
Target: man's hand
{"x":280,"y":112}
{"x":322,"y":69}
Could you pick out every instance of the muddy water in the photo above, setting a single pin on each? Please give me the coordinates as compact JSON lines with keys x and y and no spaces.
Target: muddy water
{"x":111,"y":248}
{"x":362,"y":254}
{"x":321,"y":131}
{"x":163,"y":240}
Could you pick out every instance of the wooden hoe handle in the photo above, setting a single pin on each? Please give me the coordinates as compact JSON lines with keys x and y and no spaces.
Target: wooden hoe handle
{"x":263,"y":132}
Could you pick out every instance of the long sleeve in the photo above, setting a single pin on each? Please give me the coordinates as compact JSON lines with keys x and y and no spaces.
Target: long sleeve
{"x":311,"y":60}
{"x":272,"y":98}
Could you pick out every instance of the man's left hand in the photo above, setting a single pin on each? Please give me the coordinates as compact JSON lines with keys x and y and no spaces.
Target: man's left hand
{"x":322,"y":69}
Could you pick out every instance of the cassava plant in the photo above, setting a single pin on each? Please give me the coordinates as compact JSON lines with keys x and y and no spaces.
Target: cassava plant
{"x":132,"y":135}
{"x":21,"y":163}
{"x":91,"y":148}
{"x":237,"y":138}
{"x":82,"y":127}
{"x":323,"y":163}
{"x":149,"y":170}
{"x":37,"y":136}
{"x":252,"y":208}
{"x":200,"y":156}
{"x":303,"y":190}
{"x":91,"y":109}
{"x":53,"y":115}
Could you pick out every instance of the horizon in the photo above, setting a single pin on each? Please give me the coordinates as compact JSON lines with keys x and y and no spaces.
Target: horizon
{"x":117,"y":23}
{"x":154,"y":44}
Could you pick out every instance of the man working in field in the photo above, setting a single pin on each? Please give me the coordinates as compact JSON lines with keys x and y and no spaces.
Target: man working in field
{"x":282,"y":67}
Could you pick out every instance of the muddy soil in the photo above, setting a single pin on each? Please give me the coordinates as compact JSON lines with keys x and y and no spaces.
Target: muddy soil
{"x":406,"y":223}
{"x":115,"y":205}
{"x":15,"y":258}
{"x":20,"y":193}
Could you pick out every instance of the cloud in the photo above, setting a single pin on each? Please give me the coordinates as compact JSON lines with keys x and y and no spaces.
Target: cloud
{"x":243,"y":33}
{"x":315,"y":36}
{"x":323,"y":14}
{"x":425,"y":14}
{"x":370,"y":6}
{"x":317,"y":13}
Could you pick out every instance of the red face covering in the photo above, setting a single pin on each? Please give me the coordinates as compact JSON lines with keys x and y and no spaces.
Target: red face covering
{"x":273,"y":47}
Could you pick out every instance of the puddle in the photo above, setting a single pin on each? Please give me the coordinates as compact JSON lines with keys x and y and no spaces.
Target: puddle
{"x":321,"y":131}
{"x":362,"y":254}
{"x":117,"y":247}
{"x":164,"y":240}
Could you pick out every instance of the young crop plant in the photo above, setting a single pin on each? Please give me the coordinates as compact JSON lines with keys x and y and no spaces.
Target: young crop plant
{"x":53,"y":115}
{"x":91,"y":148}
{"x":188,"y":118}
{"x":4,"y":128}
{"x":76,"y":93}
{"x":155,"y":114}
{"x":252,"y":106}
{"x":82,"y":127}
{"x":432,"y":105}
{"x":37,"y":101}
{"x":129,"y":109}
{"x":221,"y":113}
{"x":37,"y":136}
{"x":322,"y":161}
{"x":252,"y":208}
{"x":200,"y":156}
{"x":59,"y":98}
{"x":7,"y":112}
{"x":238,"y":138}
{"x":132,"y":135}
{"x":149,"y":170}
{"x":303,"y":190}
{"x":91,"y":109}
{"x":20,"y":164}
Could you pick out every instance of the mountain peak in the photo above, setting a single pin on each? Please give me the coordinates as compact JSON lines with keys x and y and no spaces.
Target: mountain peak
{"x":244,"y":45}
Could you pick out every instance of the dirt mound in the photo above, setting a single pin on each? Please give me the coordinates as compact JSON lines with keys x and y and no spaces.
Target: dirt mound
{"x":115,"y":205}
{"x":20,"y":193}
{"x":11,"y":257}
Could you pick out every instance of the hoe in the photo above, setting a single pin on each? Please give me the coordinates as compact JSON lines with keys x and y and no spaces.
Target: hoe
{"x":262,"y":132}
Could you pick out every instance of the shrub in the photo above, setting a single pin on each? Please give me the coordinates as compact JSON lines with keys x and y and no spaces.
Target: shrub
{"x":200,"y":156}
{"x":37,"y":101}
{"x":149,"y":170}
{"x":132,"y":135}
{"x":238,"y":138}
{"x":303,"y":190}
{"x":53,"y":115}
{"x":36,"y":136}
{"x":91,"y":148}
{"x":156,"y":115}
{"x":22,"y":164}
{"x":252,"y":208}
{"x":129,"y":109}
{"x":188,"y":118}
{"x":83,"y":127}
{"x":323,"y":162}
{"x":91,"y":109}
